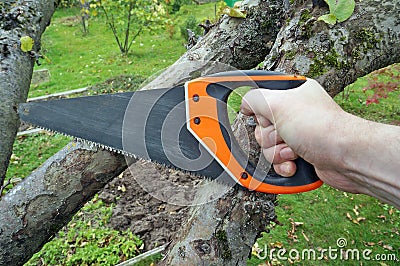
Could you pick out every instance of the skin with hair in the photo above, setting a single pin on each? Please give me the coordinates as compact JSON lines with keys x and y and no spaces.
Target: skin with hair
{"x":349,"y":153}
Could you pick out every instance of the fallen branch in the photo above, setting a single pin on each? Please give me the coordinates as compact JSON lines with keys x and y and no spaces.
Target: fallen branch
{"x":57,"y":95}
{"x":143,"y":256}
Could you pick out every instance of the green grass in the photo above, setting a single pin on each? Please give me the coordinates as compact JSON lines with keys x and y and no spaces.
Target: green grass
{"x":92,"y":60}
{"x":78,"y":60}
{"x":234,"y":101}
{"x":326,"y":214}
{"x":322,"y":216}
{"x":87,"y":241}
{"x":353,"y":99}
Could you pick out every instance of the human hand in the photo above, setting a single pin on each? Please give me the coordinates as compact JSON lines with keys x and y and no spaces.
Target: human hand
{"x":304,"y":122}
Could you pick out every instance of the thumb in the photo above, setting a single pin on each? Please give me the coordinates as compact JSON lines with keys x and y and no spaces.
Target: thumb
{"x":279,"y":104}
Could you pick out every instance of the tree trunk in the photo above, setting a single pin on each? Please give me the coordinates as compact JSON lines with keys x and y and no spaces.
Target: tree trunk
{"x":232,"y":43}
{"x":18,"y":18}
{"x":222,"y":232}
{"x":56,"y":204}
{"x":337,"y":55}
{"x":48,"y":198}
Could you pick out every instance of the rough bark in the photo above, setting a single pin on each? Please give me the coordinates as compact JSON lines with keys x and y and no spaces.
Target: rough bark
{"x":234,"y":43}
{"x":223,"y":230}
{"x":18,"y":18}
{"x":30,"y":230}
{"x":334,"y":55}
{"x":48,"y":198}
{"x":337,"y":55}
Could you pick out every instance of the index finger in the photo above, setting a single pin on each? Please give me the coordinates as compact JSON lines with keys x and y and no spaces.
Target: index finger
{"x":254,"y":103}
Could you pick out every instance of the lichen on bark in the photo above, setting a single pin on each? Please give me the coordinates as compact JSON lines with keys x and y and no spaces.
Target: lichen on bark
{"x":337,"y":55}
{"x":47,"y":199}
{"x":18,"y":18}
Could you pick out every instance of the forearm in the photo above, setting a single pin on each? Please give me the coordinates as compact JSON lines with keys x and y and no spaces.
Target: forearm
{"x":372,"y":158}
{"x":348,"y":152}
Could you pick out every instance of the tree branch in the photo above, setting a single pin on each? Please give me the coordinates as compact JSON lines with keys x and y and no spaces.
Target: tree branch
{"x":232,"y":43}
{"x":18,"y":18}
{"x":47,"y":199}
{"x":337,"y":55}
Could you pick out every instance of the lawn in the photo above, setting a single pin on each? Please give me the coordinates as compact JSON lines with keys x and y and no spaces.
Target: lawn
{"x":78,"y":60}
{"x":321,"y":219}
{"x":309,"y":221}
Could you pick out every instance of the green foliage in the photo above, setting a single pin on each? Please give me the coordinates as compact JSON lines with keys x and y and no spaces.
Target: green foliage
{"x":86,"y":241}
{"x":129,"y":18}
{"x":66,"y":3}
{"x":176,"y":5}
{"x":339,"y":11}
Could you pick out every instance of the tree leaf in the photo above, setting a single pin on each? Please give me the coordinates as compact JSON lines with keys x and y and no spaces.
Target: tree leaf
{"x":234,"y":12}
{"x":47,"y":59}
{"x":360,"y":219}
{"x":344,"y":9}
{"x":340,"y":10}
{"x":26,"y":43}
{"x":328,"y":18}
{"x":331,"y":4}
{"x":369,"y":244}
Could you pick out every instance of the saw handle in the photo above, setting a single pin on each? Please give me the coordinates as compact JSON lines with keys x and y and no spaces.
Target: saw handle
{"x":206,"y":102}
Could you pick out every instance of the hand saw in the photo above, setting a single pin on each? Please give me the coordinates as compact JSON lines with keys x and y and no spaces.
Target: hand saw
{"x":184,"y":127}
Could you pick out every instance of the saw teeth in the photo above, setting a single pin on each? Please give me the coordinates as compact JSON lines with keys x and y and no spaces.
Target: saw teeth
{"x":92,"y":145}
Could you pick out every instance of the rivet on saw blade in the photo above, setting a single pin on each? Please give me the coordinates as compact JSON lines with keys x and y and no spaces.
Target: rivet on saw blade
{"x":244,"y":175}
{"x":196,"y":98}
{"x":197,"y":120}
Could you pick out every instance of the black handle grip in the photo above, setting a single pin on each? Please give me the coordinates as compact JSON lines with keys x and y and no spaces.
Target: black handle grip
{"x":219,"y":86}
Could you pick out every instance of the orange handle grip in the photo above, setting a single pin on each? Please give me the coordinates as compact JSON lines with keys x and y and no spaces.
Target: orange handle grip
{"x":206,"y":113}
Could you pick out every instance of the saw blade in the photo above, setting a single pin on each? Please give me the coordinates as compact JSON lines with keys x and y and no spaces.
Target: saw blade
{"x":150,"y":125}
